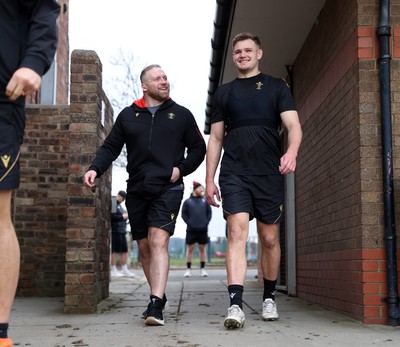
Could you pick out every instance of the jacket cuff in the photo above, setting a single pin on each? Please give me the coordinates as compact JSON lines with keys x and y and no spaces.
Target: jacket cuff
{"x":35,"y":63}
{"x":94,"y":168}
{"x":181,"y":168}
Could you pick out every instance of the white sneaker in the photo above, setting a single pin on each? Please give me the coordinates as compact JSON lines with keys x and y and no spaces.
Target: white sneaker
{"x":188,"y":273}
{"x":270,"y":312}
{"x":203,"y":273}
{"x":116,"y":273}
{"x":127,"y":273}
{"x":235,"y":318}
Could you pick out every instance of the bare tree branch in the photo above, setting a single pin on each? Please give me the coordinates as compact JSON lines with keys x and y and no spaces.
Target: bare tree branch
{"x":123,"y":87}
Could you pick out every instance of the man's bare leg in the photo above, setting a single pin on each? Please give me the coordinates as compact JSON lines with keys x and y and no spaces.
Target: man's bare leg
{"x":270,"y":262}
{"x":236,"y":265}
{"x":236,"y":262}
{"x":9,"y":257}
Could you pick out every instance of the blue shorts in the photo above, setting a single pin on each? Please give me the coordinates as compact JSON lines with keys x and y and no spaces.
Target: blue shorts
{"x":153,"y":211}
{"x":262,"y":197}
{"x":12,"y":125}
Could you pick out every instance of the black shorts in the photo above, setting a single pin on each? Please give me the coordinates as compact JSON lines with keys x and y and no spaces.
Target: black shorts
{"x":260,"y":196}
{"x":118,"y":243}
{"x":200,"y":237}
{"x":12,"y":124}
{"x":153,"y":211}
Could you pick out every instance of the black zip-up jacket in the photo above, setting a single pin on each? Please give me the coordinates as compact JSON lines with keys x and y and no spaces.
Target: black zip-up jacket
{"x":28,"y":38}
{"x":155,"y":145}
{"x":118,"y":223}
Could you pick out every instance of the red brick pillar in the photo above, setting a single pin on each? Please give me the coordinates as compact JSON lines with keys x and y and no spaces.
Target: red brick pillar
{"x":88,"y":217}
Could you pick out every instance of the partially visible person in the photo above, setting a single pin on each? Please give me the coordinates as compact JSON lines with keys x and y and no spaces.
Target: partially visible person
{"x":119,"y":219}
{"x":196,"y":212}
{"x":28,"y":36}
{"x":246,"y":117}
{"x":164,"y":144}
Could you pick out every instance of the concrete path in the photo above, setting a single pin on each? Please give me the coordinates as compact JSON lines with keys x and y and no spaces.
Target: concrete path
{"x":195,"y":319}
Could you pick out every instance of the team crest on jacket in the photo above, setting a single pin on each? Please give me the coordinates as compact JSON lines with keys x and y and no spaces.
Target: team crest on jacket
{"x":171,"y":115}
{"x":259,"y":85}
{"x":137,"y":114}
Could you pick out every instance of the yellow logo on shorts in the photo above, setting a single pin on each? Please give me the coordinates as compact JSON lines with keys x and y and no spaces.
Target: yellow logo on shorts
{"x":172,"y":216}
{"x":5,"y":159}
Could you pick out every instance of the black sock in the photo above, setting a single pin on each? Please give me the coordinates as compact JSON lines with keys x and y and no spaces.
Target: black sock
{"x":3,"y":330}
{"x":269,"y":289}
{"x":189,"y":264}
{"x":236,"y":294}
{"x":202,"y":264}
{"x":164,"y":299}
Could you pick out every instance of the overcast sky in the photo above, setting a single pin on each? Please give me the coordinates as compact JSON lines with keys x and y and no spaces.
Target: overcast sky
{"x":173,"y":33}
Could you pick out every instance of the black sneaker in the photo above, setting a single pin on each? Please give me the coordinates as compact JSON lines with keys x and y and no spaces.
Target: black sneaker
{"x":165,"y":307}
{"x":155,"y":313}
{"x":144,"y":314}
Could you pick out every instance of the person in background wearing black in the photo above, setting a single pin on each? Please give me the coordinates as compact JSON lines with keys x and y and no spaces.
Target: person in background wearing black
{"x":246,"y":117}
{"x":196,"y":212}
{"x":164,"y":144}
{"x":28,"y":42}
{"x":119,"y":219}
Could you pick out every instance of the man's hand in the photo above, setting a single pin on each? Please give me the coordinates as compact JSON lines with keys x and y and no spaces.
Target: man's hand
{"x":211,"y":191}
{"x":24,"y":81}
{"x":288,"y":164}
{"x":175,"y":175}
{"x":88,"y":179}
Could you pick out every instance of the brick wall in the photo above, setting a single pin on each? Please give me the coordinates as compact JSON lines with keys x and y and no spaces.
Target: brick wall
{"x":87,"y":254}
{"x":341,"y":256}
{"x":40,"y":204}
{"x":63,"y":228}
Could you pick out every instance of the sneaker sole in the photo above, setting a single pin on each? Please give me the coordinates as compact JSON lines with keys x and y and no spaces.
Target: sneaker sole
{"x":270,"y":318}
{"x":231,"y":323}
{"x":153,"y":321}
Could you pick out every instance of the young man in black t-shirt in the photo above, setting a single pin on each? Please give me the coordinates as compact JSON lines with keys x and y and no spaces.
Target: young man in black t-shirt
{"x":246,"y":117}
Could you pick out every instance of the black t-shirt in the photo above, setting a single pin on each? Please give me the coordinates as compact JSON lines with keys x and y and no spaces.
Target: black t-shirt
{"x":251,"y":108}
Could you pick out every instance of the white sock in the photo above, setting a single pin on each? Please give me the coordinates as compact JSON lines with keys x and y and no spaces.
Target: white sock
{"x":124,"y":267}
{"x":113,"y":268}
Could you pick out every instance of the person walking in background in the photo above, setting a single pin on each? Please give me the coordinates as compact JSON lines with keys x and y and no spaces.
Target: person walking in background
{"x":246,"y":116}
{"x":119,"y":219}
{"x":196,"y":212}
{"x":28,"y":36}
{"x":164,"y":144}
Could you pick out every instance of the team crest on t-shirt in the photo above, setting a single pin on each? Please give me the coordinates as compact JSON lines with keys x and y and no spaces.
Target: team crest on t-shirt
{"x":259,"y":85}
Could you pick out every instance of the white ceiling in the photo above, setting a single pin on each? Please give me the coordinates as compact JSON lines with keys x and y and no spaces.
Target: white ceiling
{"x":282,"y":25}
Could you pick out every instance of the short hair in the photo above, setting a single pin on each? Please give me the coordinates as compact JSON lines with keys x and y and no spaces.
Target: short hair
{"x":246,"y":36}
{"x":146,"y":69}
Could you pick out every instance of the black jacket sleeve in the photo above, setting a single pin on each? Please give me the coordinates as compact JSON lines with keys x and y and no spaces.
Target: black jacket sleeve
{"x":185,"y":212}
{"x":196,"y":148}
{"x":209,"y":213}
{"x":110,"y":150}
{"x":42,"y":35}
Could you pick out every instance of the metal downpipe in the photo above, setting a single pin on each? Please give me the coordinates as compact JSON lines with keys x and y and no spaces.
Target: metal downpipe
{"x":383,"y":33}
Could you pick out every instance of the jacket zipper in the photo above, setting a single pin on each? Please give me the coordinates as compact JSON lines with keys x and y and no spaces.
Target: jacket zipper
{"x":151,"y":132}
